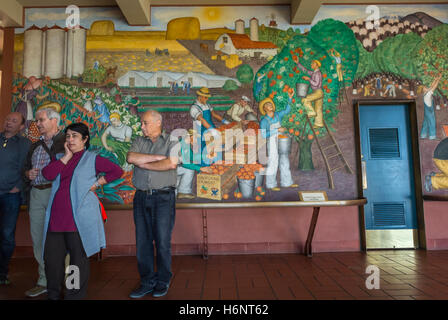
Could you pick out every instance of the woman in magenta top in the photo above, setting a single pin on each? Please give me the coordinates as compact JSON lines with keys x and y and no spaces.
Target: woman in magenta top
{"x":73,"y":220}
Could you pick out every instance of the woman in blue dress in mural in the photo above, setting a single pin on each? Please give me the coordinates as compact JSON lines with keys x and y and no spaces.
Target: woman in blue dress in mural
{"x":101,"y":109}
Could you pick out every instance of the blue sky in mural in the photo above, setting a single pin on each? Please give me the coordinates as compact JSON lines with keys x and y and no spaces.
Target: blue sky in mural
{"x":209,"y":17}
{"x":224,"y":16}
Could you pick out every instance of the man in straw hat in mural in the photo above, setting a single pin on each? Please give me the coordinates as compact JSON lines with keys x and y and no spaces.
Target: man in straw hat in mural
{"x":270,"y":125}
{"x":317,"y":96}
{"x":203,"y":114}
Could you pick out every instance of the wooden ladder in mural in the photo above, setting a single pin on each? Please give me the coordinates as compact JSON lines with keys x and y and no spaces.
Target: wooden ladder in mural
{"x":325,"y":155}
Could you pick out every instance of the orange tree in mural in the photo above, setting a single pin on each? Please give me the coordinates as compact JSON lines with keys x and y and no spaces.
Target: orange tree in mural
{"x":281,"y":74}
{"x":431,"y":56}
{"x":395,"y":56}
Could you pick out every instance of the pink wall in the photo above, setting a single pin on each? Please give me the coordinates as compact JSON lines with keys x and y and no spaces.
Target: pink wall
{"x":233,"y":231}
{"x":436,"y":225}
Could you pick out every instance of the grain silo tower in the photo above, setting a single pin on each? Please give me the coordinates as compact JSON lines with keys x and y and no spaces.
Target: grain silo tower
{"x":76,"y":51}
{"x":32,"y":52}
{"x":55,"y":52}
{"x":239,"y":26}
{"x":254,"y":29}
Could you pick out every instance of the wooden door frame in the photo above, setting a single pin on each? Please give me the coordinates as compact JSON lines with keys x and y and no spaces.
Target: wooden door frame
{"x":413,"y":124}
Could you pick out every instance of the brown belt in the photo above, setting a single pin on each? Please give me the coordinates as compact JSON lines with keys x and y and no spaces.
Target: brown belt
{"x":43,"y":186}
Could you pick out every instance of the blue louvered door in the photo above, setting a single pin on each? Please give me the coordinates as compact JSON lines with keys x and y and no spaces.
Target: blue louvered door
{"x":386,"y":156}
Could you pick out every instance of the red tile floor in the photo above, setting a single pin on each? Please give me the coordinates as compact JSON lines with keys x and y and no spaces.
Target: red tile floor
{"x":407,"y":274}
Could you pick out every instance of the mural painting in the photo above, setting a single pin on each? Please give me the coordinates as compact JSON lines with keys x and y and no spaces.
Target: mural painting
{"x":265,"y":107}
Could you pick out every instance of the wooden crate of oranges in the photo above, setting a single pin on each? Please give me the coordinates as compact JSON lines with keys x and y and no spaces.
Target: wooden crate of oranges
{"x":220,"y":181}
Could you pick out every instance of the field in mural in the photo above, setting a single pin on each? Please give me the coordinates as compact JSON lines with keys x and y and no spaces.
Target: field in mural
{"x":108,"y":76}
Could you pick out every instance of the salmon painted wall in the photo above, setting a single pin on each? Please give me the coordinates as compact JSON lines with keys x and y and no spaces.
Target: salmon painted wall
{"x":236,"y":231}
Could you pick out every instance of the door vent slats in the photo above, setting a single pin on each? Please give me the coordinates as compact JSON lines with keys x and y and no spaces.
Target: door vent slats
{"x":384,"y":143}
{"x":389,"y":214}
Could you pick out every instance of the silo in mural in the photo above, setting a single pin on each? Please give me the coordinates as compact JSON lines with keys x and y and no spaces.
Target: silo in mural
{"x":239,"y":26}
{"x":55,"y":52}
{"x":254,"y":29}
{"x":32,"y":52}
{"x":76,"y":51}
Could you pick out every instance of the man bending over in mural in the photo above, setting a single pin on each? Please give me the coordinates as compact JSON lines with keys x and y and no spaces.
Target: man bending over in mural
{"x":101,"y":109}
{"x":429,"y":117}
{"x":202,"y":114}
{"x":191,"y":163}
{"x":317,"y":96}
{"x":119,"y":132}
{"x":270,"y":126}
{"x":237,"y":110}
{"x":434,"y":180}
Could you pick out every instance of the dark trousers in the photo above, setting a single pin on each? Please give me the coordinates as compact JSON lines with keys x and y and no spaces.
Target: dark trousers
{"x":57,"y":245}
{"x":154,"y":216}
{"x":9,"y":212}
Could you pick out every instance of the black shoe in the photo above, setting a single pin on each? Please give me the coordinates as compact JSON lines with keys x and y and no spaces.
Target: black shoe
{"x":140,"y":292}
{"x":160,"y":291}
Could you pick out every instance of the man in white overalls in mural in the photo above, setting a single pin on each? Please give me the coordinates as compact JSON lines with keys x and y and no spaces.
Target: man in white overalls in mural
{"x":202,"y":114}
{"x":270,"y":125}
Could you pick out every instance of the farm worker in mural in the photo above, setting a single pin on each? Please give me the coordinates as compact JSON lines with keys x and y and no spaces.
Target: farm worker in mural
{"x":26,"y":104}
{"x":190,"y":163}
{"x":337,"y":58}
{"x":237,"y":110}
{"x":317,"y":96}
{"x":202,"y":114}
{"x":270,"y":125}
{"x":429,"y":117}
{"x":101,"y":109}
{"x":186,"y":85}
{"x":390,"y":88}
{"x":132,"y":101}
{"x":87,"y":97}
{"x":155,"y":159}
{"x":13,"y":150}
{"x":367,"y":89}
{"x":121,"y":136}
{"x":434,"y":180}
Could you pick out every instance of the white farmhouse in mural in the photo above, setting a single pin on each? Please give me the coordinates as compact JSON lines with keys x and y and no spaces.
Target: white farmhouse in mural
{"x":54,"y":52}
{"x":162,"y":79}
{"x":244,"y":46}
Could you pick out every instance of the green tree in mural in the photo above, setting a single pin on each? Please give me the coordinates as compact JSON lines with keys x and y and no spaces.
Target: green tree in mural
{"x":245,"y":74}
{"x":366,"y":63}
{"x":281,"y":74}
{"x":431,"y":57}
{"x":332,"y":34}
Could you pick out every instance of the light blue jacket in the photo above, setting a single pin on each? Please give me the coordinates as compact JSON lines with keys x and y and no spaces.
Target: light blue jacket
{"x":85,"y":205}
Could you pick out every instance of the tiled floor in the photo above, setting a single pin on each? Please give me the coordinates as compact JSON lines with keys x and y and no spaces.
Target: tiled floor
{"x":403,"y":275}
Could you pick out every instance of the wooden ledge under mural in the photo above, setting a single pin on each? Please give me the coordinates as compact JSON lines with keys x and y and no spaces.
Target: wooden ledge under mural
{"x":293,"y":85}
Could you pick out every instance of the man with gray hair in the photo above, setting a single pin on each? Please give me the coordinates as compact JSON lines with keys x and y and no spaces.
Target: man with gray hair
{"x":40,"y":154}
{"x":155,"y":157}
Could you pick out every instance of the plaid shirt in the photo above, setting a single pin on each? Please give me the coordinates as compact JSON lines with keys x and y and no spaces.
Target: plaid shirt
{"x":40,"y":160}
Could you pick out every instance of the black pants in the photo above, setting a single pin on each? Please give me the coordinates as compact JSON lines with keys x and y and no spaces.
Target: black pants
{"x":57,"y":245}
